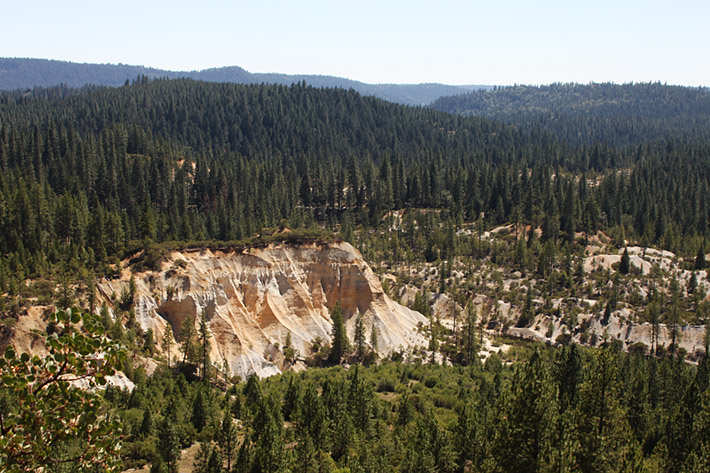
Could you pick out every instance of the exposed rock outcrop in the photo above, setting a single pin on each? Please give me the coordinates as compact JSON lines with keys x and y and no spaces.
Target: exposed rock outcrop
{"x":253,"y":298}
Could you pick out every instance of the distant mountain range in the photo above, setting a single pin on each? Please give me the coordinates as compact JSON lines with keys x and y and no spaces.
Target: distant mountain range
{"x":22,"y":73}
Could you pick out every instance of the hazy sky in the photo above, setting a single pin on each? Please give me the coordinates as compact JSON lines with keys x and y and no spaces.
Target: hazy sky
{"x":447,"y":41}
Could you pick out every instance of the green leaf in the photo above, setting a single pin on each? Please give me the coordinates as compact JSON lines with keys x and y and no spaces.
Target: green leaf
{"x":9,"y":353}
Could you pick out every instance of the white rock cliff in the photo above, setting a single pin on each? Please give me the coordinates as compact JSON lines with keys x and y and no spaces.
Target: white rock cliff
{"x":253,"y":298}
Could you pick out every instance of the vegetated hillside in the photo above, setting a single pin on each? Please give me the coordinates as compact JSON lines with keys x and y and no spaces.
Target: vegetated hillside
{"x":183,"y":160}
{"x":565,"y":409}
{"x":261,"y":120}
{"x":557,"y":409}
{"x":22,"y":73}
{"x":522,"y":283}
{"x":93,"y":176}
{"x":619,"y":115}
{"x":87,"y":173}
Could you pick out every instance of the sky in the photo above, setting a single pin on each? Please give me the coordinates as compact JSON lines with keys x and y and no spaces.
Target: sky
{"x":447,"y":41}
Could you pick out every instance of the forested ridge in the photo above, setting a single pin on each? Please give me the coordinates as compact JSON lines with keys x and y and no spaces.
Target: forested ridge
{"x":25,"y":74}
{"x":617,"y":114}
{"x":84,"y":173}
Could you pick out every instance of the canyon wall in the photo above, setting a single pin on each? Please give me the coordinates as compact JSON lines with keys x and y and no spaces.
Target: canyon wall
{"x":253,"y":298}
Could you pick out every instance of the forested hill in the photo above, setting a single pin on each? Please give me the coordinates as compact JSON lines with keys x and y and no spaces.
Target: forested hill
{"x":261,"y":121}
{"x":21,"y":73}
{"x":585,"y":114}
{"x":85,"y":173}
{"x":182,"y":160}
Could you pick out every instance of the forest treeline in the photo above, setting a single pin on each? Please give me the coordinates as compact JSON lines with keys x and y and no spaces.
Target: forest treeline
{"x":616,"y":114}
{"x":84,"y":173}
{"x":563,"y":409}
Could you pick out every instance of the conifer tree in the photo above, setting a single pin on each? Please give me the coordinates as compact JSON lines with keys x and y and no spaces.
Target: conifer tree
{"x":469,"y":435}
{"x":208,"y":459}
{"x":204,"y":347}
{"x":199,"y":411}
{"x":106,"y":320}
{"x":169,"y":442}
{"x":433,"y":340}
{"x":469,"y":346}
{"x":188,"y":340}
{"x":228,"y":438}
{"x":340,"y":338}
{"x":147,"y":423}
{"x":167,"y":341}
{"x":359,"y":336}
{"x":625,"y":263}
{"x":522,"y":442}
{"x":373,"y":338}
{"x":603,"y":434}
{"x":292,"y":399}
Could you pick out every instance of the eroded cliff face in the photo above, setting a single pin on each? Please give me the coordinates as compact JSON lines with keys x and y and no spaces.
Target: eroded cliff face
{"x":252,"y":299}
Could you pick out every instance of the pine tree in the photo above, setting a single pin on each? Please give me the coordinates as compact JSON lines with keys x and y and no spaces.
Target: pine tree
{"x":522,"y":441}
{"x":147,"y":423}
{"x":167,"y":341}
{"x":469,"y":346}
{"x":204,"y":347}
{"x":148,"y":342}
{"x":469,"y":436}
{"x":359,"y":336}
{"x":269,"y":452}
{"x":528,"y":310}
{"x":373,"y":338}
{"x":340,"y":338}
{"x":188,"y":336}
{"x":567,"y":371}
{"x":106,"y":320}
{"x":306,"y":460}
{"x":433,"y":340}
{"x":673,"y":322}
{"x":200,"y":411}
{"x":288,"y":351}
{"x":252,"y":393}
{"x":292,"y":399}
{"x":228,"y":438}
{"x":312,"y":416}
{"x":208,"y":459}
{"x":625,"y":263}
{"x":148,"y":227}
{"x":169,"y":443}
{"x":603,"y":434}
